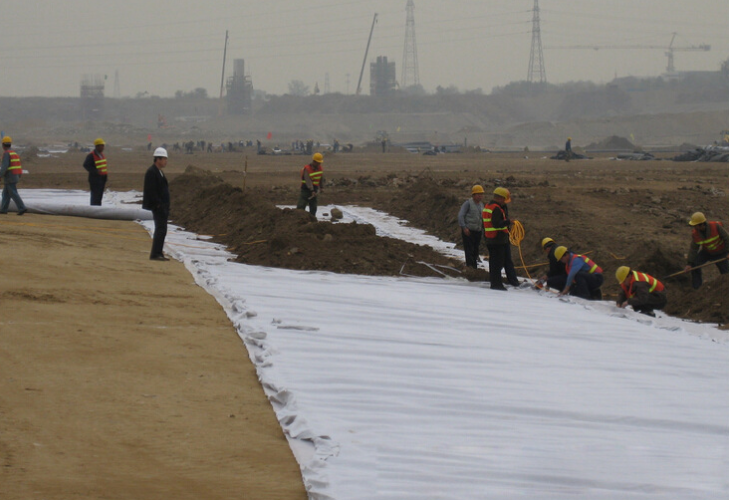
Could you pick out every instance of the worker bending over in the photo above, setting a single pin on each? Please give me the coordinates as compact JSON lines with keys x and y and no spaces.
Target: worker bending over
{"x":584,"y":277}
{"x":709,"y":243}
{"x":312,"y":184}
{"x":641,"y":291}
{"x":556,"y":277}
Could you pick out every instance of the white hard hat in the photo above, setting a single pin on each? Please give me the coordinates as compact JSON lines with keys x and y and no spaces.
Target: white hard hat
{"x":160,"y":153}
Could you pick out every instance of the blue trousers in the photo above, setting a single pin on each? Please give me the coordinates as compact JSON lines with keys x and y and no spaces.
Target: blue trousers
{"x":10,"y":191}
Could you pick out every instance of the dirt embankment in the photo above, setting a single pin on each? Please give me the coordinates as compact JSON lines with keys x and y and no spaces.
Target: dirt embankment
{"x":260,"y":233}
{"x":641,"y":226}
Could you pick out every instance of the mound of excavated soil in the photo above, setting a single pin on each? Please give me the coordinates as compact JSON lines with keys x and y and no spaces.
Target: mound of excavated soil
{"x":709,"y":304}
{"x":260,"y":233}
{"x":612,"y":142}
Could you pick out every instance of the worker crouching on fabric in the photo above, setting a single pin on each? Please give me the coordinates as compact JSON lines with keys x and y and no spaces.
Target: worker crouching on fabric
{"x":709,"y":244}
{"x":470,"y":218}
{"x":312,"y":184}
{"x":496,"y":224}
{"x":641,"y":291}
{"x":556,"y":277}
{"x":584,"y":277}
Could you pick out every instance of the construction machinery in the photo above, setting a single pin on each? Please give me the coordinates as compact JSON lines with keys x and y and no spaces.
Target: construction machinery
{"x":669,"y":51}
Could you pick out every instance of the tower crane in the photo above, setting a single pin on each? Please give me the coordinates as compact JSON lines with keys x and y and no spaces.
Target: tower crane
{"x":669,"y":51}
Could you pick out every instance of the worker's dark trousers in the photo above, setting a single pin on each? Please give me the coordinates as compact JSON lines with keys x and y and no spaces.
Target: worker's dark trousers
{"x":655,"y":300}
{"x":557,"y":282}
{"x":500,"y":259}
{"x":586,"y":285}
{"x":703,"y":258}
{"x":97,"y":184}
{"x":306,"y":199}
{"x":160,"y":216}
{"x":470,"y":247}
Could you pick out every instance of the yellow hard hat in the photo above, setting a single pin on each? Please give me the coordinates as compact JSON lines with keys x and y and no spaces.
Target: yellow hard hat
{"x":622,"y":273}
{"x":569,"y":138}
{"x":697,"y":218}
{"x":546,"y":241}
{"x":317,"y":157}
{"x":559,"y":252}
{"x":503,"y":192}
{"x":477,"y":189}
{"x":7,"y":140}
{"x":99,"y":142}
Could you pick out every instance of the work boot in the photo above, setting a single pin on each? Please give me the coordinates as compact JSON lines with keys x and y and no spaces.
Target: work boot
{"x":596,"y":294}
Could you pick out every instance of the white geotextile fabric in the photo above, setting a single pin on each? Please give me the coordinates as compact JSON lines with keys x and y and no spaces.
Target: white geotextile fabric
{"x":116,"y":205}
{"x":403,"y":388}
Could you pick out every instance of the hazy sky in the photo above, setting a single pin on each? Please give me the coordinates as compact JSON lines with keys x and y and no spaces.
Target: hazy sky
{"x":161,"y":46}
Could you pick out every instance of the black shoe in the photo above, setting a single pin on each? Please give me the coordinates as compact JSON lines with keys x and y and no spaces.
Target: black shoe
{"x":596,"y":294}
{"x":648,"y":313}
{"x":21,"y":212}
{"x":501,"y":288}
{"x":3,"y":213}
{"x":158,"y":257}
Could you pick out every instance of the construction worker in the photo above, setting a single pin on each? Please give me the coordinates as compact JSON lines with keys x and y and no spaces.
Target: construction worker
{"x":496,"y":224}
{"x":156,"y":197}
{"x":470,"y":218}
{"x":568,"y":149}
{"x":709,"y":243}
{"x":10,"y":172}
{"x":556,"y":277}
{"x":584,"y":277}
{"x":312,"y":182}
{"x":639,"y":290}
{"x":95,"y":165}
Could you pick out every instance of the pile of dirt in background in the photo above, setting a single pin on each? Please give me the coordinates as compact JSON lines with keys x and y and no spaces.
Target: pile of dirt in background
{"x":709,"y":304}
{"x":260,"y":233}
{"x":612,"y":142}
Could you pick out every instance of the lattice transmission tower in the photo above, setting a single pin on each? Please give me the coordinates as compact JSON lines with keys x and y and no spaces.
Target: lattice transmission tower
{"x":536,"y":58}
{"x":410,"y":72}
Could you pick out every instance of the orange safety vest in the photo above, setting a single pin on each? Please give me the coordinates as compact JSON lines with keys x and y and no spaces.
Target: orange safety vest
{"x":488,"y":228}
{"x":15,"y":167}
{"x":656,"y":286}
{"x":100,"y":162}
{"x":594,"y":268}
{"x":713,"y":243}
{"x":315,"y":175}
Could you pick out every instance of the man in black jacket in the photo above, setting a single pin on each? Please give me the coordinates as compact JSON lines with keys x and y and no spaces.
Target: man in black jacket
{"x":157,"y":199}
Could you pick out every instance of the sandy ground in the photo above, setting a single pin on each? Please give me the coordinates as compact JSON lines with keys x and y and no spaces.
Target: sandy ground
{"x":122,"y":379}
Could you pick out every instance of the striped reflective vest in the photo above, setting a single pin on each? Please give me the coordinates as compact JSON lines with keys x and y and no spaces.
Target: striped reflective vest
{"x":713,"y":242}
{"x":15,"y":168}
{"x":100,"y":162}
{"x":315,"y":175}
{"x":656,"y":286}
{"x":489,"y":230}
{"x":594,"y":268}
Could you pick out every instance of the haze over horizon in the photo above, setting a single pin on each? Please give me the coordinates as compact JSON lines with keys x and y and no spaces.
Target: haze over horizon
{"x":159,"y":48}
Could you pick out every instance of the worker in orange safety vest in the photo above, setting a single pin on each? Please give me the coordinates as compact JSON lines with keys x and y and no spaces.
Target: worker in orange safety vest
{"x":312,"y":184}
{"x":709,"y":243}
{"x":10,"y":172}
{"x":641,"y":291}
{"x":95,"y":165}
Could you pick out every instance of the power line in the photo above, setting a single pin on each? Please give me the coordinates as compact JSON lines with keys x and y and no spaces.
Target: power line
{"x":537,"y":70}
